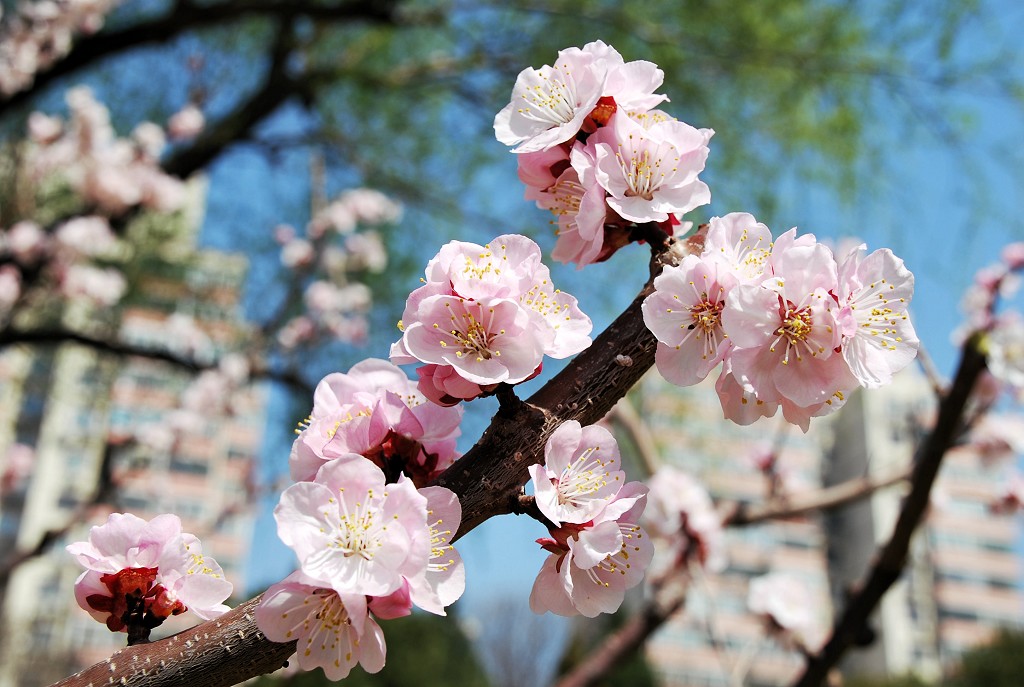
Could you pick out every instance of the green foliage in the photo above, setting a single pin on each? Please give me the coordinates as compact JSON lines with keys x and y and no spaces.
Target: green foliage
{"x":998,"y":664}
{"x":897,"y":681}
{"x":423,"y":651}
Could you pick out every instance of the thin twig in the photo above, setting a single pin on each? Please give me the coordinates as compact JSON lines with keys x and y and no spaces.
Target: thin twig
{"x":741,"y":514}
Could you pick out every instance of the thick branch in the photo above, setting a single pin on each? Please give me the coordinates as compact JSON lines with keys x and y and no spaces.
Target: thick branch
{"x":892,"y":556}
{"x":185,"y":17}
{"x":218,"y":653}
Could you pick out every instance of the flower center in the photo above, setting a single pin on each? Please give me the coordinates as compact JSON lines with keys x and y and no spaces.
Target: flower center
{"x":706,"y":322}
{"x":357,"y":531}
{"x":583,"y":477}
{"x":796,"y":330}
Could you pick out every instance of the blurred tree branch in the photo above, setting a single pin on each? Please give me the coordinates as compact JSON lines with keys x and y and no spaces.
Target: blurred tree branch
{"x":55,"y":337}
{"x":891,"y":557}
{"x":185,"y":16}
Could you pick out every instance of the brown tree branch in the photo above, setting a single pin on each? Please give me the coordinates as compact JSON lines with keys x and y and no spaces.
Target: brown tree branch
{"x":741,"y":514}
{"x":489,"y":477}
{"x":892,"y":556}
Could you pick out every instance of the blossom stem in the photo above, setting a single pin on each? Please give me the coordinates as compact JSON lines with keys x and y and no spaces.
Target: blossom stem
{"x":507,"y":399}
{"x":135,"y":620}
{"x":527,"y":505}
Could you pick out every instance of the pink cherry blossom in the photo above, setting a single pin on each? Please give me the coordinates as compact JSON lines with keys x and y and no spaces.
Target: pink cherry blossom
{"x":785,"y":331}
{"x":685,"y":314}
{"x":442,"y":385}
{"x":551,"y":105}
{"x":539,"y":171}
{"x":489,"y":314}
{"x":996,"y":437}
{"x":89,"y":236}
{"x":333,"y":630}
{"x":296,"y":331}
{"x":741,"y":243}
{"x":593,"y":564}
{"x":366,"y":251}
{"x":580,"y":211}
{"x":153,"y":560}
{"x":651,"y":173}
{"x":1006,"y":350}
{"x":878,"y":337}
{"x":354,"y":533}
{"x":149,"y":139}
{"x":43,"y":128}
{"x":297,"y":253}
{"x":1013,"y":255}
{"x":738,"y":404}
{"x":26,"y":241}
{"x":581,"y":473}
{"x":487,"y":342}
{"x":104,"y":286}
{"x":371,"y":206}
{"x":374,"y":410}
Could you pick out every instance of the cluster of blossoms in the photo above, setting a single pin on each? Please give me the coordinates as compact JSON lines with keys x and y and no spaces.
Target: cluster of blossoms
{"x":323,"y":261}
{"x":486,"y":315}
{"x":791,"y":327}
{"x":73,"y":178}
{"x":598,"y":549}
{"x":72,"y":258}
{"x":371,"y":540}
{"x":140,"y":573}
{"x":108,"y":173}
{"x":593,"y":152}
{"x":41,"y":33}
